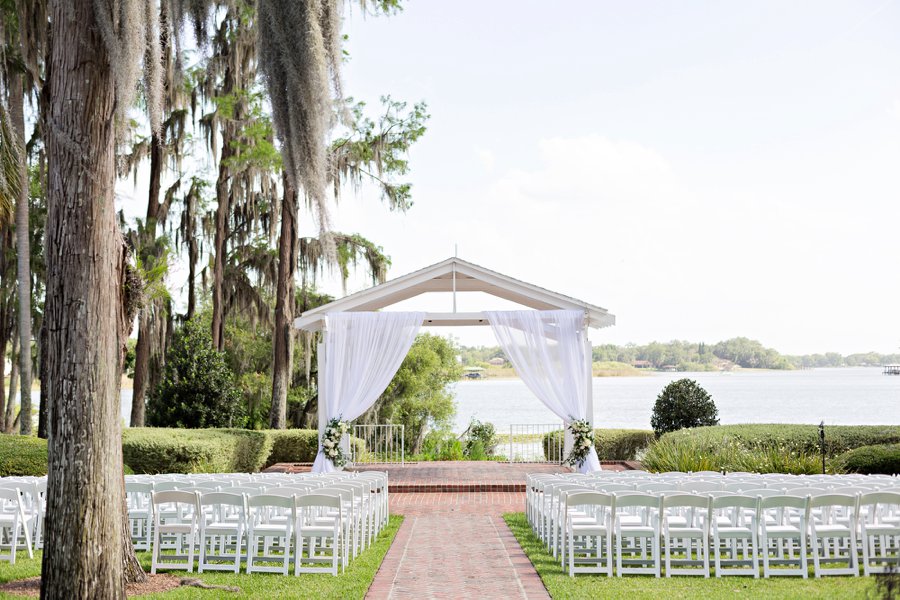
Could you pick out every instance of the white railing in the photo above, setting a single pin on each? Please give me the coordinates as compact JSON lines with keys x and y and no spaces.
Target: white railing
{"x":381,"y":444}
{"x":526,"y":443}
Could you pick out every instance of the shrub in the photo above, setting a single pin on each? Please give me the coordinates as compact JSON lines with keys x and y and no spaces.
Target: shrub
{"x":482,"y":434}
{"x":611,"y":444}
{"x":684,"y":453}
{"x":683,"y":404}
{"x":149,"y":450}
{"x":197,"y":389}
{"x":440,"y":444}
{"x":870,"y":460}
{"x":796,"y":438}
{"x":22,"y":456}
{"x":299,"y":445}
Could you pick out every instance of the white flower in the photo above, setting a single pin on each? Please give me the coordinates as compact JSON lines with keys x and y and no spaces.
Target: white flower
{"x":328,"y":443}
{"x":586,"y":443}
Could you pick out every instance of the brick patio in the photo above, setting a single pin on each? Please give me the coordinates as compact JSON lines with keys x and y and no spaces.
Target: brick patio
{"x":456,"y":544}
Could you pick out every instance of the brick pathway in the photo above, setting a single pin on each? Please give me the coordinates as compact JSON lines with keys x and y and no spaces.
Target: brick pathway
{"x":456,"y":545}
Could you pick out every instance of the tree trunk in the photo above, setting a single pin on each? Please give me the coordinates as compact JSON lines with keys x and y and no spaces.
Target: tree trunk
{"x":84,"y":536}
{"x":23,"y":251}
{"x":143,"y":350}
{"x":283,"y":362}
{"x":9,"y":419}
{"x":222,"y":209}
{"x":4,"y":337}
{"x":44,"y":405}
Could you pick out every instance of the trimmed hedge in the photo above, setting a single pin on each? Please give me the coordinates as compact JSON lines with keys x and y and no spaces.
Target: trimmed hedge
{"x":22,"y":456}
{"x":161,"y":450}
{"x":793,"y":438}
{"x":611,"y":444}
{"x":870,"y":460}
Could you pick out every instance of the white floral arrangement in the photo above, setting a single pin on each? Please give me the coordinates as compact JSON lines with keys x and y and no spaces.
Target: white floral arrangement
{"x":331,"y":441}
{"x":582,"y":441}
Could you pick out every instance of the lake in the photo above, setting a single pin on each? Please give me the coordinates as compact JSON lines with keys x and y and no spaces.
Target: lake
{"x":851,"y":396}
{"x":855,"y":396}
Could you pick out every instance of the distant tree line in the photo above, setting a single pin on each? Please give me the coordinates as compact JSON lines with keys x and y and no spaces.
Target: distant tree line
{"x":693,"y":356}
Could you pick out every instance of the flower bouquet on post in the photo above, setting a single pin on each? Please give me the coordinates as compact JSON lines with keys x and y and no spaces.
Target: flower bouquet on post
{"x":582,"y":440}
{"x":331,"y":441}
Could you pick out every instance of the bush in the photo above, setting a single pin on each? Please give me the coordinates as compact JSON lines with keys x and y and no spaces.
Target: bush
{"x":795,"y":438}
{"x":149,"y":450}
{"x":299,"y":445}
{"x":22,"y":456}
{"x":870,"y":460}
{"x":683,"y":404}
{"x":197,"y":389}
{"x":440,"y":444}
{"x":684,"y":453}
{"x":611,"y":444}
{"x":482,"y":435}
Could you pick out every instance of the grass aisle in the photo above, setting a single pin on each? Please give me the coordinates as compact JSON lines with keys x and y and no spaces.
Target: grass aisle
{"x":560,"y":585}
{"x":353,"y":583}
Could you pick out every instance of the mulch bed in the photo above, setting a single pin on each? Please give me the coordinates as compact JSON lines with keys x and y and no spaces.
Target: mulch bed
{"x":154,"y":584}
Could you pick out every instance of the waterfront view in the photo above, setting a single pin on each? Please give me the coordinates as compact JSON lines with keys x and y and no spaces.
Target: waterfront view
{"x":849,"y":396}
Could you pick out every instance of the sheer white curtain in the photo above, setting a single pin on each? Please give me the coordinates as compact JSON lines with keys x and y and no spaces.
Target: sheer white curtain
{"x":363,"y":351}
{"x":547,"y":348}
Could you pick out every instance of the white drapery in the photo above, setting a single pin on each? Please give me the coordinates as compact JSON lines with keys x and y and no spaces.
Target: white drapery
{"x":548,"y":349}
{"x":363,"y":351}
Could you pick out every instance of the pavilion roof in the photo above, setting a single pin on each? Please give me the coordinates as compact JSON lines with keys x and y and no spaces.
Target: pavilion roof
{"x":454,"y":274}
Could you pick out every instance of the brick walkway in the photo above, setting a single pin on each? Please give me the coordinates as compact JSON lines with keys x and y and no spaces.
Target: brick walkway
{"x":456,"y":545}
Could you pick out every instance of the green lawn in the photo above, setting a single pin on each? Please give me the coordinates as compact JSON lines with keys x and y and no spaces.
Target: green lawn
{"x":351,"y":584}
{"x":560,"y":585}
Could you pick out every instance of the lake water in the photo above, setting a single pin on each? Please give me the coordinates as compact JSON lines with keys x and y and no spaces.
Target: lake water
{"x":853,"y":396}
{"x":857,"y":396}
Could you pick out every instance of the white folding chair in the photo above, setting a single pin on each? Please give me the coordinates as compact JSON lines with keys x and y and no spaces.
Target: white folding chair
{"x":836,"y":523}
{"x":879,"y":531}
{"x":691,"y":527}
{"x":271,"y":521}
{"x":593,"y":532}
{"x":734,"y":525}
{"x":182,"y":526}
{"x":14,"y":522}
{"x":783,"y":519}
{"x":139,"y":498}
{"x":647,"y":508}
{"x":319,"y":517}
{"x":222,"y":516}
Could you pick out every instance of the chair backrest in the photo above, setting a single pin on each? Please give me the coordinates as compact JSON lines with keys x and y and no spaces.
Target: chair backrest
{"x":138,"y":487}
{"x":166,"y":486}
{"x":880,"y":498}
{"x":222,"y":498}
{"x":210,"y":485}
{"x":590,"y":499}
{"x":175,"y":496}
{"x":604,"y":486}
{"x":784,"y":501}
{"x":656,"y":487}
{"x":637,"y":499}
{"x":316,"y":500}
{"x":700,"y":486}
{"x":685,"y":501}
{"x":270,"y":500}
{"x":735,"y":501}
{"x":763,"y":492}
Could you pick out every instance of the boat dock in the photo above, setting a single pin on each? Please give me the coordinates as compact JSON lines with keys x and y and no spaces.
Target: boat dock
{"x":891,"y":370}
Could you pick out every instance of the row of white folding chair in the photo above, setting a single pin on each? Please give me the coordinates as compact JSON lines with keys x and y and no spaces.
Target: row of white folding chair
{"x":270,"y":523}
{"x":32,"y":491}
{"x":751,"y":520}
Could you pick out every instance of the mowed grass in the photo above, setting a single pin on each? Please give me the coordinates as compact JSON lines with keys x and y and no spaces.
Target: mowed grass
{"x":353,"y":583}
{"x":561,"y":585}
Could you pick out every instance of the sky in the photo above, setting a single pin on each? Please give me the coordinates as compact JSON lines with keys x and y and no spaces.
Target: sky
{"x":703,"y":170}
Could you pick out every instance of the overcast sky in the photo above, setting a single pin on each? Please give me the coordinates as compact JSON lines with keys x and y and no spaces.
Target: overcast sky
{"x":703,"y":170}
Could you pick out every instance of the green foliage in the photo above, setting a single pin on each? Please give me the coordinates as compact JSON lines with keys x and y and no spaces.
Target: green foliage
{"x":611,"y":444}
{"x":128,"y":364}
{"x":197,"y":389}
{"x":150,"y":450}
{"x":799,"y":438}
{"x":418,"y":395}
{"x":293,"y":445}
{"x":682,"y":404}
{"x":870,"y":460}
{"x":481,"y":436}
{"x":440,"y":444}
{"x":671,"y":453}
{"x":22,"y":455}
